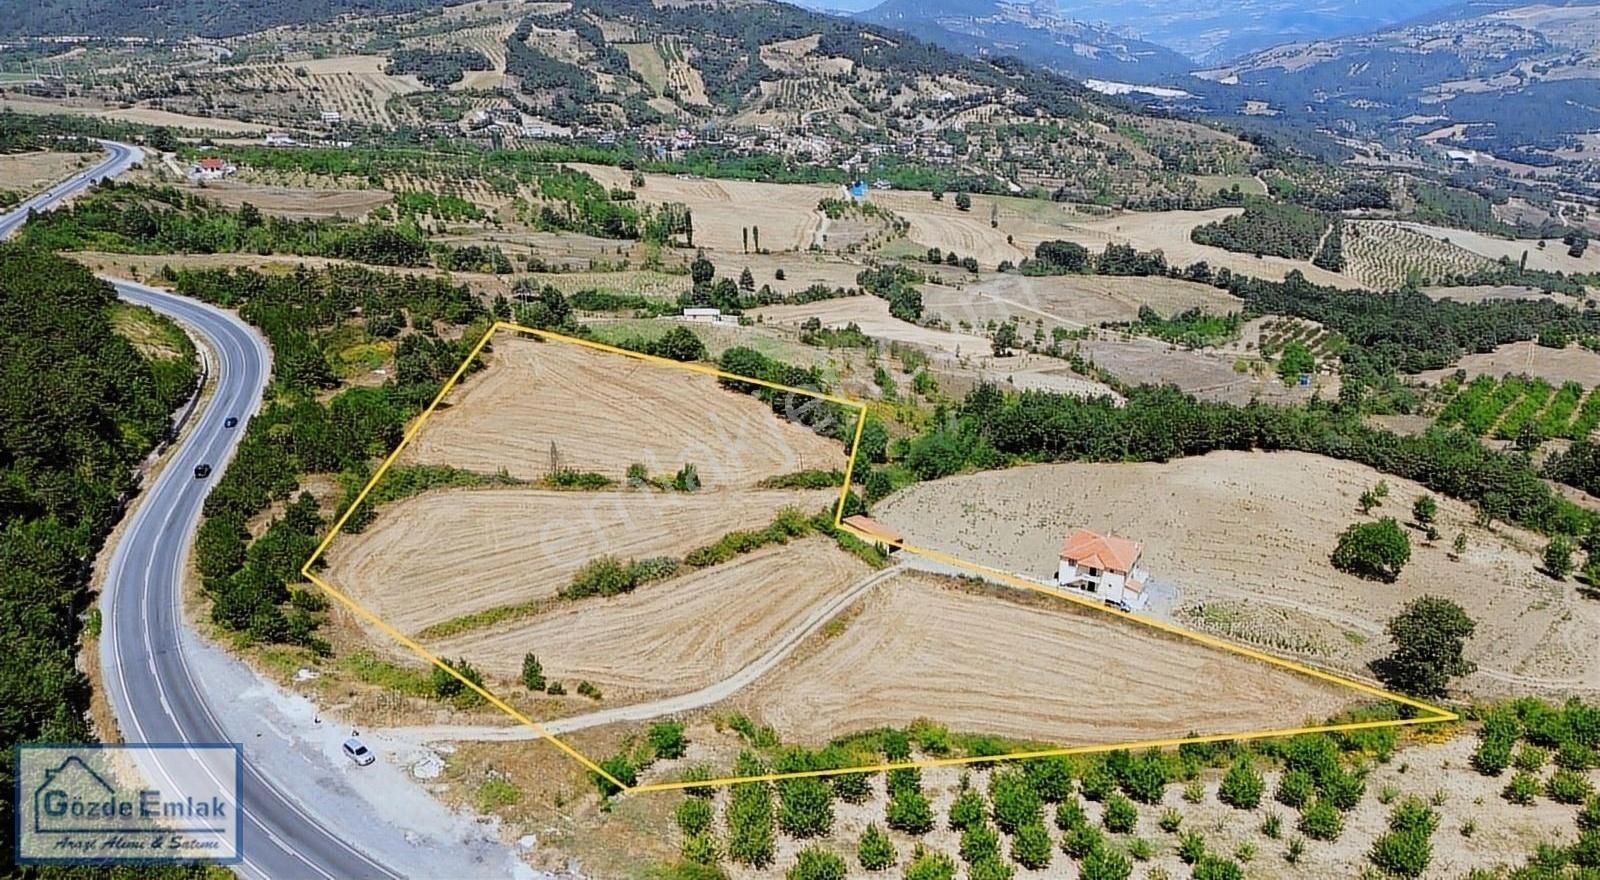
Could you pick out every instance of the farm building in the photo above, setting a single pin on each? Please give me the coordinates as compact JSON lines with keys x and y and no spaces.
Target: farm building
{"x":1103,"y":565}
{"x":709,"y":316}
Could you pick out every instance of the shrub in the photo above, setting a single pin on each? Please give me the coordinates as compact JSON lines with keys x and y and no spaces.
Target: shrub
{"x":752,"y":838}
{"x":1296,"y":849}
{"x":817,"y":864}
{"x":1082,"y":840}
{"x":1373,"y":550}
{"x":908,"y":811}
{"x":1522,"y":789}
{"x":694,"y":816}
{"x":1070,"y":815}
{"x":1191,"y":847}
{"x":1402,"y":853}
{"x":1241,"y":787}
{"x":1170,"y":820}
{"x":979,"y":842}
{"x":967,"y":810}
{"x":621,"y":769}
{"x":1530,"y":758}
{"x":667,"y":739}
{"x":1031,"y":847}
{"x":1194,"y":792}
{"x":701,"y":849}
{"x":1589,"y":816}
{"x":1142,"y":850}
{"x":805,"y":807}
{"x":1015,"y":801}
{"x":1051,"y":777}
{"x":1568,"y":787}
{"x":1321,"y":821}
{"x":1120,"y":815}
{"x":852,"y":788}
{"x":1213,"y":867}
{"x":1586,"y":852}
{"x":555,"y":689}
{"x":1106,"y":863}
{"x":532,"y":673}
{"x":1573,"y":755}
{"x":1344,"y":790}
{"x":1492,"y":756}
{"x":1096,"y":783}
{"x":585,"y":689}
{"x":1424,"y":509}
{"x":1145,"y":778}
{"x":875,"y":852}
{"x":1414,"y":815}
{"x":930,"y":866}
{"x":990,"y":869}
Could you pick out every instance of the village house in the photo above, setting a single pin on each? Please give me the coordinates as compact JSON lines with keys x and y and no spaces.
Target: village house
{"x":1104,"y":566}
{"x":211,"y":168}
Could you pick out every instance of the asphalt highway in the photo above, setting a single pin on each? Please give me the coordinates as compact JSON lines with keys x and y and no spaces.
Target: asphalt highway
{"x":152,"y":686}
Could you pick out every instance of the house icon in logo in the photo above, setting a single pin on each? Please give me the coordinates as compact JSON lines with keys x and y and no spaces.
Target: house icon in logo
{"x":71,"y":797}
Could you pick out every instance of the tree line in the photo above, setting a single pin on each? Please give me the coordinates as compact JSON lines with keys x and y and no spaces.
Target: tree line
{"x":298,"y":434}
{"x":79,"y":409}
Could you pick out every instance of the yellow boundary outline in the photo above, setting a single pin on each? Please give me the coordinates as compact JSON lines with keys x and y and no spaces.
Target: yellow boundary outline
{"x":1430,"y":714}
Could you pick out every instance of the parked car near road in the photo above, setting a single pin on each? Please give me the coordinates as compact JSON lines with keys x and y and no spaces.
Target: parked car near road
{"x":357,"y":751}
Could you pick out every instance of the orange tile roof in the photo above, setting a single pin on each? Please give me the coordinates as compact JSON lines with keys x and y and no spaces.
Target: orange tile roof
{"x":1094,"y":550}
{"x":874,"y":528}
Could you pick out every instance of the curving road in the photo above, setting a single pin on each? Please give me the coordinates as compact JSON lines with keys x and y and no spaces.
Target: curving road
{"x":144,"y":652}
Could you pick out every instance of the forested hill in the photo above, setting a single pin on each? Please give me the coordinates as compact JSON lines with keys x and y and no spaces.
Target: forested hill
{"x":175,"y":19}
{"x":79,"y":408}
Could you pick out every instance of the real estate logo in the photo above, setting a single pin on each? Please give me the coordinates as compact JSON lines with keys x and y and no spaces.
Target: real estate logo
{"x":129,"y":804}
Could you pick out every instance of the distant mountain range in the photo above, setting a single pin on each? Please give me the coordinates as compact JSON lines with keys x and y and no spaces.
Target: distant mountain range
{"x":1036,"y":32}
{"x":1154,"y":34}
{"x":1497,"y":75}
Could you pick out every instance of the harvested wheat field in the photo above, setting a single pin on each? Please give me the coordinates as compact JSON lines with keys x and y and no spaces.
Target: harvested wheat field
{"x":786,"y":214}
{"x":979,"y":663}
{"x":606,"y":411}
{"x":445,"y":554}
{"x":677,"y":635}
{"x":1244,"y":538}
{"x":1073,"y":300}
{"x":1571,"y":364}
{"x":30,"y":172}
{"x":287,"y":201}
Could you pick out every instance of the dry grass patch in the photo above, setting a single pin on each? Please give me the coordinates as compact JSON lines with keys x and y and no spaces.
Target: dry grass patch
{"x":1555,"y":365}
{"x":786,"y":214}
{"x":27,"y":173}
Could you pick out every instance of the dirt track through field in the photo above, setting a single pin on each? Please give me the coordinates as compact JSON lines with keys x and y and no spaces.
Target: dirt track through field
{"x":445,"y":554}
{"x":676,"y":635}
{"x":979,"y":663}
{"x":604,"y":412}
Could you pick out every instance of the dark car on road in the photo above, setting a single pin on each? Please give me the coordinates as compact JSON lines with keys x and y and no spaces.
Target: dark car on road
{"x":201,"y":471}
{"x":229,"y":422}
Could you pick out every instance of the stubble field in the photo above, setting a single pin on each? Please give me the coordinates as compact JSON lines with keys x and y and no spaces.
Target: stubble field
{"x":676,"y":635}
{"x":604,"y":412}
{"x":445,"y":554}
{"x":923,"y":649}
